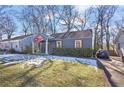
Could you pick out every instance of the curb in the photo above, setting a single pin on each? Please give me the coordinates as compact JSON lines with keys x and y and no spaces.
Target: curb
{"x":107,"y":83}
{"x":106,"y":74}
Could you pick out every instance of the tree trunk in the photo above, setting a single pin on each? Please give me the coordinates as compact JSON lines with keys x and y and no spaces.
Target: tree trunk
{"x":107,"y":40}
{"x":101,"y":33}
{"x":95,"y":35}
{"x":107,"y":37}
{"x":25,"y":33}
{"x":9,"y":36}
{"x":101,"y":41}
{"x":108,"y":46}
{"x":95,"y":40}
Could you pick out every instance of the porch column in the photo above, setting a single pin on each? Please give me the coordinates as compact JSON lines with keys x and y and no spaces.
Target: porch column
{"x":32,"y":47}
{"x":46,"y":49}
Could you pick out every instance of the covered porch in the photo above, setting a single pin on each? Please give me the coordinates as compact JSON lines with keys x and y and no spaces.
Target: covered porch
{"x":42,"y":44}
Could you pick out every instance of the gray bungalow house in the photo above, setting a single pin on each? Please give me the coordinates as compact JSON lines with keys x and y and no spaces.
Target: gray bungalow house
{"x":74,"y":39}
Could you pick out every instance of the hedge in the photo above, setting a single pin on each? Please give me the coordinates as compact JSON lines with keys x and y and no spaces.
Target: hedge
{"x":76,"y":52}
{"x":28,"y":50}
{"x":13,"y":51}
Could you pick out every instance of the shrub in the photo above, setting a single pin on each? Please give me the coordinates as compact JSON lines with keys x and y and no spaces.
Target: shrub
{"x":12,"y":50}
{"x":28,"y":50}
{"x":77,"y":52}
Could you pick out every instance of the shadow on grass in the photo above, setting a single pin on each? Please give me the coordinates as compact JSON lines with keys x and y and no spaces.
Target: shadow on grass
{"x":13,"y":77}
{"x":5,"y":66}
{"x":30,"y":79}
{"x":76,"y":79}
{"x":25,"y":73}
{"x":81,"y":62}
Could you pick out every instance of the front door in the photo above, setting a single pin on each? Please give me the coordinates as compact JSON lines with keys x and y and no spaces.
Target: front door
{"x":43,"y":47}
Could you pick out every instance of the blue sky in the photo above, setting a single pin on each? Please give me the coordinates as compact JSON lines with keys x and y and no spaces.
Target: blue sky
{"x":119,"y":13}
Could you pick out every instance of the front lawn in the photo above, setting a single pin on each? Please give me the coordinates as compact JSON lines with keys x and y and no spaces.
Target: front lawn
{"x":51,"y":73}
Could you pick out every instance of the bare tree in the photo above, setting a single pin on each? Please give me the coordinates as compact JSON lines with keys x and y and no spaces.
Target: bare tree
{"x":109,"y":14}
{"x":38,"y":18}
{"x":103,"y":16}
{"x":9,"y":26}
{"x":120,"y":23}
{"x":25,"y":22}
{"x":68,"y":16}
{"x":83,"y":19}
{"x":30,"y":19}
{"x":99,"y":12}
{"x":53,"y":17}
{"x":25,"y":28}
{"x":113,"y":34}
{"x":3,"y":11}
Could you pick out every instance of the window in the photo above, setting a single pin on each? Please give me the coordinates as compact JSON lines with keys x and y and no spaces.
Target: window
{"x":78,"y":43}
{"x":59,"y":44}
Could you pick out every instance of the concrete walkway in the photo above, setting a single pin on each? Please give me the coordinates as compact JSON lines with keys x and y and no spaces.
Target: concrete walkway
{"x":115,"y":68}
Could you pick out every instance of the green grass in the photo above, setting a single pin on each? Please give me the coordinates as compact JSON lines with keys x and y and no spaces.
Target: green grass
{"x":52,"y":73}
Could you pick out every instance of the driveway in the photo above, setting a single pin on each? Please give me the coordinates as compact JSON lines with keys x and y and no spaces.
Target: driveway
{"x":115,"y":68}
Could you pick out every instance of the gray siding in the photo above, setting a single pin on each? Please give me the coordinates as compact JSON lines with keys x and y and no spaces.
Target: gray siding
{"x":68,"y":43}
{"x":87,"y":43}
{"x":25,"y":42}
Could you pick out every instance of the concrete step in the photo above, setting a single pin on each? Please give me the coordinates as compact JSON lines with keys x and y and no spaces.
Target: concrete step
{"x":116,"y":72}
{"x":116,"y":58}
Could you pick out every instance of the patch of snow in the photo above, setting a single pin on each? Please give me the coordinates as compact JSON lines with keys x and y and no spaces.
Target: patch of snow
{"x":34,"y":63}
{"x":91,"y":62}
{"x":34,"y":59}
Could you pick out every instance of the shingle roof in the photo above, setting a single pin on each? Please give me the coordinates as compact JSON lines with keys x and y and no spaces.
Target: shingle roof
{"x":16,"y":38}
{"x":64,"y":35}
{"x":73,"y":34}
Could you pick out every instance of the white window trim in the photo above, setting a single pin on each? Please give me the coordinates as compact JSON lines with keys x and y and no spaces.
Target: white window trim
{"x":80,"y":43}
{"x":58,"y":45}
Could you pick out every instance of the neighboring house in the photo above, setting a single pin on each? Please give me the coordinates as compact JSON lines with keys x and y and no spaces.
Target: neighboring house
{"x":18,"y":43}
{"x":74,"y":39}
{"x":119,"y":43}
